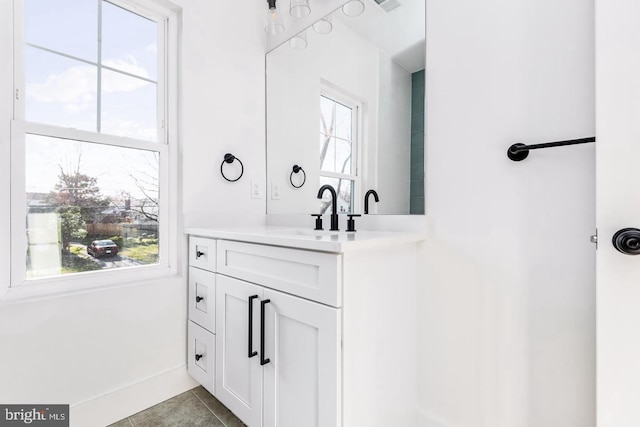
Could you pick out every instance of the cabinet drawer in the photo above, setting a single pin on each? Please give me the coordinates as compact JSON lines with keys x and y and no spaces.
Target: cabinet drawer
{"x":313,"y":275}
{"x":202,"y":298}
{"x":201,"y":355}
{"x":202,"y":253}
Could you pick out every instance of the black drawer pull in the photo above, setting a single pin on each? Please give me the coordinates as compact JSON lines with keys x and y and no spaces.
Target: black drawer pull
{"x":251,"y":352}
{"x":199,"y":254}
{"x":199,"y":356}
{"x":199,"y":298}
{"x":263,"y":360}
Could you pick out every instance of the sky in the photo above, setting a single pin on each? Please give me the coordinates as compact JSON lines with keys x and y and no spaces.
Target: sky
{"x":63,"y":91}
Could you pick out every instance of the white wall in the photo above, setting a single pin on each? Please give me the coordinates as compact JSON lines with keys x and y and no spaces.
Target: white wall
{"x":223,"y":110}
{"x":112,"y":352}
{"x":507,"y":290}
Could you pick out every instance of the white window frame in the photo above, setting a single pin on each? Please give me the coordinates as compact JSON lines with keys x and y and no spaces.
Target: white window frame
{"x":356,"y":107}
{"x":166,"y":146}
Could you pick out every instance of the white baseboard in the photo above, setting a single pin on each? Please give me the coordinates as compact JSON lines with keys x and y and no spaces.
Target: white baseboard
{"x":118,"y":404}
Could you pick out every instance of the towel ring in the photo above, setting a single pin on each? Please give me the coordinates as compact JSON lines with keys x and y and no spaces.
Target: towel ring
{"x":297,"y":169}
{"x":229,"y":158}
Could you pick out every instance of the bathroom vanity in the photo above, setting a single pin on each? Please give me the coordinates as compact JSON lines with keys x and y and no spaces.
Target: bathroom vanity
{"x":294,"y":327}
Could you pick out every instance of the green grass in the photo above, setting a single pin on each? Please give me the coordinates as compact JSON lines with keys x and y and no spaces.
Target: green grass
{"x":146,"y":254}
{"x":73,"y":263}
{"x":76,"y":249}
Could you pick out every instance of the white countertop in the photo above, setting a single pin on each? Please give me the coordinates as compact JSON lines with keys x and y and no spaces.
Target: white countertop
{"x":301,"y":238}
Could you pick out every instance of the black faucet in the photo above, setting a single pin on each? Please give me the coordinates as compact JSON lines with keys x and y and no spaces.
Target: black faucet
{"x":366,"y":199}
{"x":334,"y":205}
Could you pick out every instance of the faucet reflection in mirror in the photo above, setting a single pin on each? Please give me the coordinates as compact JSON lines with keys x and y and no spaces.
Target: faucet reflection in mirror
{"x":366,"y":200}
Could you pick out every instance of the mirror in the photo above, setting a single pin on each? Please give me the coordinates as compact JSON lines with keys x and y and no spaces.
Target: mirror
{"x":347,"y":107}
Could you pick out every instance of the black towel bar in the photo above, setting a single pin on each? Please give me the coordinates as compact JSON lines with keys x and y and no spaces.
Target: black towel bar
{"x":518,"y":152}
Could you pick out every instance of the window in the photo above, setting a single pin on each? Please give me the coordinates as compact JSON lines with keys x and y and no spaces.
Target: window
{"x":338,"y":149}
{"x":92,"y":138}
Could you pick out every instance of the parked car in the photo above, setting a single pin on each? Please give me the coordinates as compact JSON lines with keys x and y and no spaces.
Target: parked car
{"x":99,"y":248}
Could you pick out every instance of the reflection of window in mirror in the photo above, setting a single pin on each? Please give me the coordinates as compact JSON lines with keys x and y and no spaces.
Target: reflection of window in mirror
{"x":339,"y":149}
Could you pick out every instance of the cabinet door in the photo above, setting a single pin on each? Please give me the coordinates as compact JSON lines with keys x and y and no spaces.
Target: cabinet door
{"x":238,"y":376}
{"x":201,"y":355}
{"x":202,"y":289}
{"x":302,"y":384}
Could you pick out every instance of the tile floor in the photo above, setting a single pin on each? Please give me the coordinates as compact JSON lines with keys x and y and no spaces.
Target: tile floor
{"x":193,"y":408}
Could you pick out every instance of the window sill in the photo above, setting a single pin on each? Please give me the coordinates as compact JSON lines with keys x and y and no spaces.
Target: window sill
{"x":64,"y":286}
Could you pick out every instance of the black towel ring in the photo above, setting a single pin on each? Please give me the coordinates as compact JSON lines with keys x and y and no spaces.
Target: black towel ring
{"x":229,"y":158}
{"x":297,"y":169}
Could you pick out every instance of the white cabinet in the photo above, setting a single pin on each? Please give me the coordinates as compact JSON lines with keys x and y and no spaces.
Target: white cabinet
{"x":201,"y":354}
{"x":278,"y":357}
{"x":307,"y":337}
{"x":201,"y":351}
{"x":301,"y":382}
{"x":238,"y":371}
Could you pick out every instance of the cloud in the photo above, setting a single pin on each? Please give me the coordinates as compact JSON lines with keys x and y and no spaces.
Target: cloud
{"x":128,"y":64}
{"x":75,"y":87}
{"x":130,"y":128}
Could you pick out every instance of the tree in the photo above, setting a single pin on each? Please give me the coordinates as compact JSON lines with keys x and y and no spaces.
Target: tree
{"x":72,"y":225}
{"x":146,"y":179}
{"x":77,"y":189}
{"x":77,"y":200}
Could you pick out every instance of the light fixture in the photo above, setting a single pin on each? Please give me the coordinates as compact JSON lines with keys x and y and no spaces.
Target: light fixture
{"x":353,"y":8}
{"x":274,"y":21}
{"x":299,"y":8}
{"x":299,"y":41}
{"x":323,"y":26}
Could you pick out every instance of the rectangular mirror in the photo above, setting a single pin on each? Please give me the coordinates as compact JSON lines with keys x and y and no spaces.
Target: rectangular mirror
{"x":345,"y":103}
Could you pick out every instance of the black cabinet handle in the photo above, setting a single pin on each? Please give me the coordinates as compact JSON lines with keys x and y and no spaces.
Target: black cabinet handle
{"x":251,"y":352}
{"x":199,"y":254}
{"x":263,"y":361}
{"x":199,"y":298}
{"x":199,"y":356}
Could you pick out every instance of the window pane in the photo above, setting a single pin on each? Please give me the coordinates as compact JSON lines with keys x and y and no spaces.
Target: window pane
{"x":327,"y":153}
{"x":343,"y":122}
{"x":344,"y":190}
{"x":327,"y":116}
{"x":59,"y":90}
{"x":67,"y":26}
{"x":89,"y":206}
{"x":129,"y":106}
{"x":343,"y":156}
{"x":129,"y":42}
{"x":335,"y":155}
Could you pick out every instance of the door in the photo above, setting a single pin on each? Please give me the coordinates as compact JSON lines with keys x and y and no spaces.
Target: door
{"x":238,"y":371}
{"x":618,"y":207}
{"x":302,"y":379}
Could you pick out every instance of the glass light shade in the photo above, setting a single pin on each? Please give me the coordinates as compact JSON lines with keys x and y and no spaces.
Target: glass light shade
{"x":299,"y":8}
{"x":323,"y":26}
{"x":274,"y":22}
{"x":299,"y":41}
{"x":353,"y":8}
